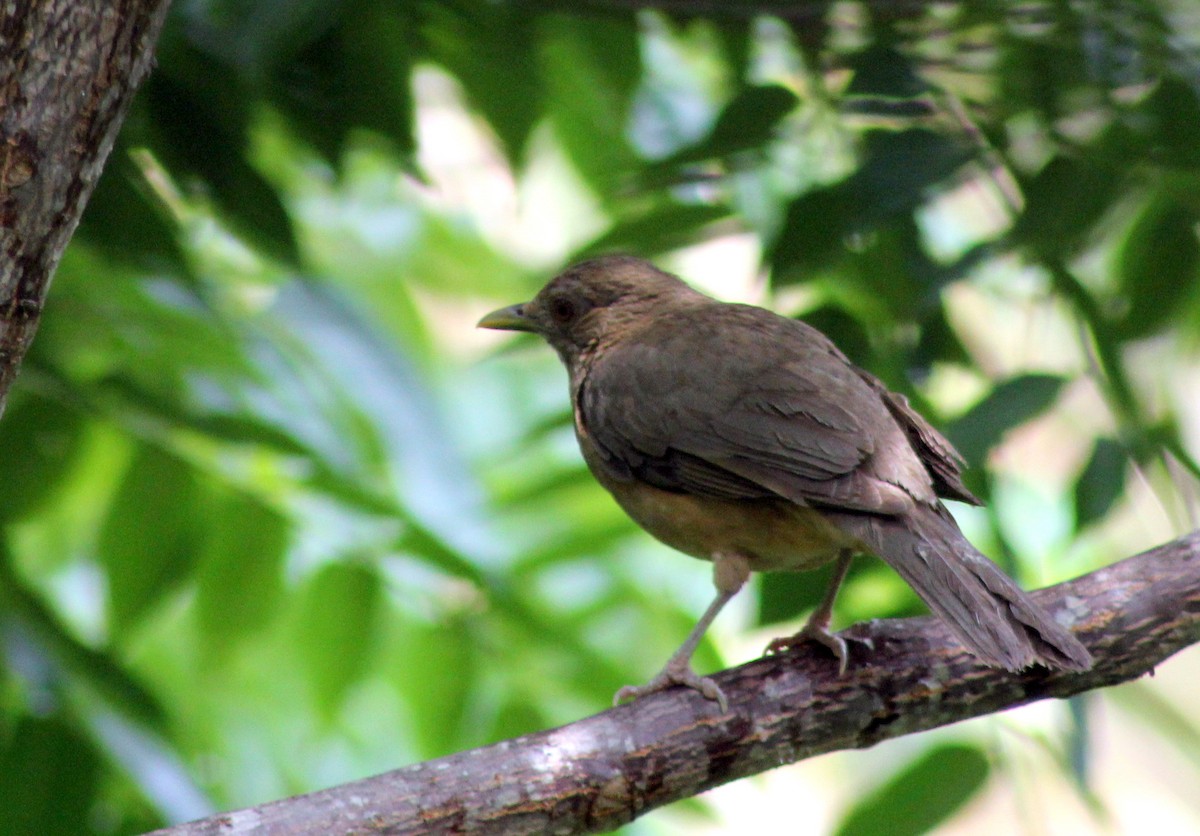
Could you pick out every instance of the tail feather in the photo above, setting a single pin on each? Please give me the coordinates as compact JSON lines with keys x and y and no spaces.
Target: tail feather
{"x":981,"y":605}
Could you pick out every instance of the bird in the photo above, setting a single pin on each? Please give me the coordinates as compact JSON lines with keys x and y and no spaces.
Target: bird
{"x":746,"y":438}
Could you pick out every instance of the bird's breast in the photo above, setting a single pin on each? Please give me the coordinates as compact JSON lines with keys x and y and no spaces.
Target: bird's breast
{"x":773,"y":534}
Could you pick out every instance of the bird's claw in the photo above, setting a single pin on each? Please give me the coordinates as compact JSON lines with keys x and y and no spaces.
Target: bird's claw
{"x":822,"y":635}
{"x":669,"y":677}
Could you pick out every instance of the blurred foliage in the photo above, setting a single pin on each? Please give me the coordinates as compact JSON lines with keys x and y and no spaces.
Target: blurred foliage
{"x":266,"y":521}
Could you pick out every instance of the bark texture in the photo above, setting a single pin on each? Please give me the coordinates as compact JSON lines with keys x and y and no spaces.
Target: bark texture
{"x":68,"y":71}
{"x":605,"y":770}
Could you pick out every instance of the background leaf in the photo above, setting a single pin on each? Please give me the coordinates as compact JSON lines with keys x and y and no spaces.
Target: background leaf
{"x":151,"y":537}
{"x":921,"y":796}
{"x":1010,"y":404}
{"x":276,"y":515}
{"x":51,"y":775}
{"x":239,"y":583}
{"x":338,"y":620}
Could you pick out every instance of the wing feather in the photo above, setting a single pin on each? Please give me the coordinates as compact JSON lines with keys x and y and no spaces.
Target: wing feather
{"x":763,"y":417}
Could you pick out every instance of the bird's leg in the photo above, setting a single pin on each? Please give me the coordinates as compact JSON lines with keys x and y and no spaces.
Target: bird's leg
{"x":817,"y":627}
{"x":729,"y":575}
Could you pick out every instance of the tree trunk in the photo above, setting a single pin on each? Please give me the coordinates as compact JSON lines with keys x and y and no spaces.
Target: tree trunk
{"x":68,"y":71}
{"x":603,"y":771}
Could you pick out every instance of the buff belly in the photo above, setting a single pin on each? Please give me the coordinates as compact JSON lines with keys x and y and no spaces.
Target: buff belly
{"x":773,"y":535}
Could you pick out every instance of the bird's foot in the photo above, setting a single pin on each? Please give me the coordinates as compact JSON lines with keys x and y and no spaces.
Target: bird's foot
{"x":675,"y":675}
{"x":821,"y":634}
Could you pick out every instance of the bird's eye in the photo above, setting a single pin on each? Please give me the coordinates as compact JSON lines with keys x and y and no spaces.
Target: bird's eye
{"x":562,"y":309}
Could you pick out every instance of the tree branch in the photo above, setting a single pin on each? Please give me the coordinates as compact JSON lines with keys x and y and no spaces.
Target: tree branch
{"x":68,"y":71}
{"x":603,"y":771}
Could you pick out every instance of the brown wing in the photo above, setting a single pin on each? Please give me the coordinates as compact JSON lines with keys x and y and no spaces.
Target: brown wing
{"x":732,"y":401}
{"x":938,"y":454}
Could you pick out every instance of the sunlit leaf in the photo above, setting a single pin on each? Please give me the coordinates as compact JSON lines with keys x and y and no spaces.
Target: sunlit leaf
{"x":590,"y":69}
{"x":151,"y":536}
{"x":376,"y":408}
{"x":239,"y":429}
{"x":490,"y":49}
{"x":240,"y":575}
{"x":438,"y":677}
{"x":337,"y":624}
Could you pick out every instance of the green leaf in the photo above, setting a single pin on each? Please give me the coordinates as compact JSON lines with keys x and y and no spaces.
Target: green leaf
{"x":921,"y":796}
{"x":41,"y":635}
{"x":387,"y":419}
{"x":1009,"y":405}
{"x":785,"y":595}
{"x":439,"y":672}
{"x":659,"y":229}
{"x":813,"y":234}
{"x":261,"y":37}
{"x":900,"y":169}
{"x":51,"y":776}
{"x":338,"y":623}
{"x":890,"y":269}
{"x":1063,"y":202}
{"x":126,"y":222}
{"x":356,"y":75}
{"x":1158,"y":265}
{"x":748,"y":121}
{"x":898,"y":172}
{"x":202,"y":135}
{"x":1171,"y":117}
{"x":881,"y":70}
{"x":489,"y":47}
{"x":151,"y":536}
{"x":39,"y":440}
{"x":240,"y":576}
{"x":590,"y":68}
{"x":1101,"y":482}
{"x":938,"y":343}
{"x":1041,"y":74}
{"x":735,"y":40}
{"x":846,"y":331}
{"x":132,"y":398}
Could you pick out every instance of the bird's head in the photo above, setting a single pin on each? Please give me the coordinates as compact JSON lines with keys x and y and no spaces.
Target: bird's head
{"x":593,"y":302}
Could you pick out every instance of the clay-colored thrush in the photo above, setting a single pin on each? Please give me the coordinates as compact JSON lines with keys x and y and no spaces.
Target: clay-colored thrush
{"x":746,"y":438}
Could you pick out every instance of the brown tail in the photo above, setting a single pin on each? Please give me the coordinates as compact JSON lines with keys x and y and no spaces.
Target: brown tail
{"x":984,"y":608}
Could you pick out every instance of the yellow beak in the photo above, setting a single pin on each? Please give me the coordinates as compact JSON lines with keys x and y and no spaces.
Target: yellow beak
{"x":511,"y":318}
